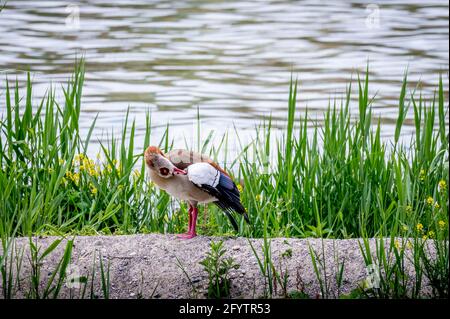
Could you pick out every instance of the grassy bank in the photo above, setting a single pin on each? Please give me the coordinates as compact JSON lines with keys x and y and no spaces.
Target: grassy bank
{"x":339,"y":180}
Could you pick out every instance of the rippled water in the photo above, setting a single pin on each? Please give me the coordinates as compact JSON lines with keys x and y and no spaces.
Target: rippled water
{"x":232,"y":59}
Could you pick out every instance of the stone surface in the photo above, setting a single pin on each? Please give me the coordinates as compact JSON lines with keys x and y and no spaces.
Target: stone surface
{"x":158,"y":265}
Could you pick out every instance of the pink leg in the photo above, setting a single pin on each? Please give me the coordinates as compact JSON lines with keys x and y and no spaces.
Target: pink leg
{"x":189,"y":224}
{"x":192,"y":233}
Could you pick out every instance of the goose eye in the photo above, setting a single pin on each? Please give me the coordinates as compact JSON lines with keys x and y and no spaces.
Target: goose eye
{"x":164,"y":171}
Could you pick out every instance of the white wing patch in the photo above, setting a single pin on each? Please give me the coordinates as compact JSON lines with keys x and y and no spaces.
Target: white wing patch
{"x":203,"y":173}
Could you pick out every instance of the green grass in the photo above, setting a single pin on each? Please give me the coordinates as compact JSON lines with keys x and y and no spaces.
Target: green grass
{"x":336,"y":180}
{"x":218,"y":267}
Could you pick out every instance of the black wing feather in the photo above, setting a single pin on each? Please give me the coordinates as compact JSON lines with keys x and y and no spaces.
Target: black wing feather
{"x":228,"y":198}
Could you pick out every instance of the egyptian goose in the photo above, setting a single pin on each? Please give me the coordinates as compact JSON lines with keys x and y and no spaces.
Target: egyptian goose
{"x":194,"y":178}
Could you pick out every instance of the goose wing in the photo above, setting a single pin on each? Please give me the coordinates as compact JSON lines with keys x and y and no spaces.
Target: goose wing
{"x":182,"y":159}
{"x":218,"y":184}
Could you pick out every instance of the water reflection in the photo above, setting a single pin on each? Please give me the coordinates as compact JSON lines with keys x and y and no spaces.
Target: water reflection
{"x":232,"y":59}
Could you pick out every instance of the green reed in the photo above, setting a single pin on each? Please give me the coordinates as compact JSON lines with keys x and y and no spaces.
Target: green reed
{"x":336,"y":180}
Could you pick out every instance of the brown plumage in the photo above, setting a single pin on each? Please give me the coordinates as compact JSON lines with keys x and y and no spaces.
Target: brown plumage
{"x":183,"y":158}
{"x":195,"y":178}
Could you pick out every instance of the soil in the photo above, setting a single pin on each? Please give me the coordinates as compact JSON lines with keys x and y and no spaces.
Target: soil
{"x":148,"y":265}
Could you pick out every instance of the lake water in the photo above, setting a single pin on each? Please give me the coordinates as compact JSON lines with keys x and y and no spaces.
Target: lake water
{"x":231,"y":59}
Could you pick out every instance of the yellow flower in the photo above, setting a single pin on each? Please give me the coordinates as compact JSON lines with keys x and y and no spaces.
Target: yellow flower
{"x":405,"y":228}
{"x":50,"y":170}
{"x":61,"y":161}
{"x":93,"y":172}
{"x":436,"y":205}
{"x":442,"y":185}
{"x":114,"y":161}
{"x":81,"y":167}
{"x":419,"y":227}
{"x":93,"y":189}
{"x":75,"y":178}
{"x":239,"y":187}
{"x":430,"y":200}
{"x":408,"y":209}
{"x":422,"y":174}
{"x":431,"y":234}
{"x":441,"y":224}
{"x":397,"y":244}
{"x":424,"y":237}
{"x":258,"y":197}
{"x":408,"y":245}
{"x":79,"y":157}
{"x":136,"y":174}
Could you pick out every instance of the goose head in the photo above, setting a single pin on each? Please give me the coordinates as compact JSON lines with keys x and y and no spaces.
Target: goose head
{"x":156,"y":161}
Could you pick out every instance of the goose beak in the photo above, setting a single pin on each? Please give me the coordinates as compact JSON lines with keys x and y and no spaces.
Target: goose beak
{"x":177,"y":171}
